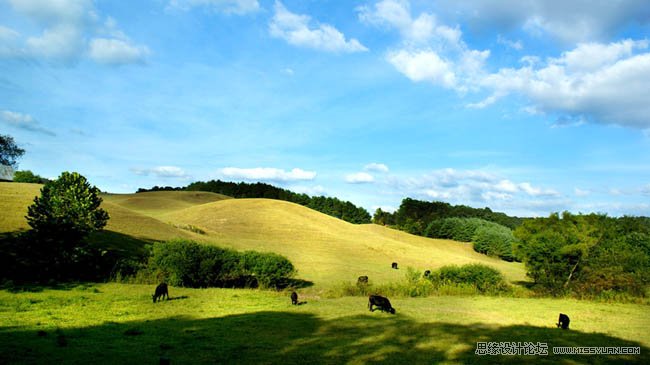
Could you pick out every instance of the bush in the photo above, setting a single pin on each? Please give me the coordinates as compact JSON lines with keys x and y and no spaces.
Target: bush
{"x":484,"y":278}
{"x":183,"y":263}
{"x":494,"y":240}
{"x":489,"y":238}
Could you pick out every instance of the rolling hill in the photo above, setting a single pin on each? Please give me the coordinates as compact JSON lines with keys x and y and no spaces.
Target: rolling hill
{"x":324,"y":249}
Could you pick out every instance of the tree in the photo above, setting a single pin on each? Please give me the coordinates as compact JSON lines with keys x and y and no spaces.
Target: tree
{"x":61,"y":219}
{"x":26,"y":176}
{"x":9,"y":152}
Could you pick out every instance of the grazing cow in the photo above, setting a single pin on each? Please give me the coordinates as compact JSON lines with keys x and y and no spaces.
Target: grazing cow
{"x":294,"y":298}
{"x":161,"y":292}
{"x":394,"y":265}
{"x":362,"y":280}
{"x":563,"y":321}
{"x":427,"y":273}
{"x":381,"y":303}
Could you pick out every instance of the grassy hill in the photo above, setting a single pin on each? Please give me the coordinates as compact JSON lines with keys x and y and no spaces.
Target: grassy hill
{"x":324,"y":249}
{"x":117,"y":323}
{"x":157,"y":203}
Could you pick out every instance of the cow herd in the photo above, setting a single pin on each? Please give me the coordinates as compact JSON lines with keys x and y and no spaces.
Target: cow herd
{"x":374,"y":301}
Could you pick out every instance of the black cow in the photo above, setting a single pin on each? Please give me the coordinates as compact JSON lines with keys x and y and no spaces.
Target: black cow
{"x":362,"y":280}
{"x":563,"y":321}
{"x":161,"y":292}
{"x":427,"y":273}
{"x":294,"y":298}
{"x":381,"y":303}
{"x":394,"y":265}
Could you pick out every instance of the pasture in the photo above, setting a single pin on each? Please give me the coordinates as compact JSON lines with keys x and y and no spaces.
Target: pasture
{"x":117,"y":323}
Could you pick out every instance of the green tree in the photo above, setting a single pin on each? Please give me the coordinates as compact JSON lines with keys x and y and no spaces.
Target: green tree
{"x":27,"y":176}
{"x":61,"y":219}
{"x":9,"y":152}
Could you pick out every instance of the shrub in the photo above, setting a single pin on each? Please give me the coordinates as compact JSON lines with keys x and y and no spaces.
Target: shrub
{"x":484,"y":278}
{"x":183,"y":263}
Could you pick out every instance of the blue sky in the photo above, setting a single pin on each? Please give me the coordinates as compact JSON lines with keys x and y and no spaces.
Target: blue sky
{"x":528,"y":107}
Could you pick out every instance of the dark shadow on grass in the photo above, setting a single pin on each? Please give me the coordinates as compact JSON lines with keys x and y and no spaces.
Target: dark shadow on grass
{"x":295,"y":284}
{"x":296,"y":338}
{"x":178,"y":298}
{"x":122,"y":245}
{"x":525,"y":284}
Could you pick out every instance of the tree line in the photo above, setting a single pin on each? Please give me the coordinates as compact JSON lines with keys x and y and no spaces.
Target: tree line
{"x":334,"y":207}
{"x":589,"y":255}
{"x":414,"y":215}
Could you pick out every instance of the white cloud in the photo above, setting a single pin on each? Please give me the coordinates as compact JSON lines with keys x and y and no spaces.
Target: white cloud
{"x":423,"y":65}
{"x":66,"y":27}
{"x":9,"y":42}
{"x":517,"y":45}
{"x":7,"y":34}
{"x":116,"y":52}
{"x":581,"y":192}
{"x":316,"y":190}
{"x":429,"y":51}
{"x":359,"y":178}
{"x":593,"y":82}
{"x":569,"y":21}
{"x":376,"y":167}
{"x":162,"y":172}
{"x":535,"y":191}
{"x":238,"y":7}
{"x":474,"y":187}
{"x":396,"y":14}
{"x":267,"y":174}
{"x":294,"y":28}
{"x":23,"y":121}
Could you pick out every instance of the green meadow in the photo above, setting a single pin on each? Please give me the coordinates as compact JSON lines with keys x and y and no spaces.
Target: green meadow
{"x":118,"y":323}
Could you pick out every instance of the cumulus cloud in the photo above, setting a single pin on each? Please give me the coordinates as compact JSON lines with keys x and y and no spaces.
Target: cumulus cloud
{"x":569,"y":21}
{"x":476,"y":187}
{"x":66,"y":27}
{"x":296,"y":30}
{"x":581,"y":192}
{"x":419,"y":30}
{"x":429,"y":51}
{"x":162,"y":172}
{"x":376,"y":167}
{"x":591,"y":83}
{"x":602,"y":83}
{"x":267,"y":174}
{"x":359,"y":178}
{"x":238,"y":7}
{"x":23,"y":121}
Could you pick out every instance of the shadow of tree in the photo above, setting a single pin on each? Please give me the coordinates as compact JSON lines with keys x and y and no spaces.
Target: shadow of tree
{"x":295,"y":338}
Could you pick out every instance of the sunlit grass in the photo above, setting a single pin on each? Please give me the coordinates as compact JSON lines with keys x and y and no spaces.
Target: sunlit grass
{"x":109,"y":323}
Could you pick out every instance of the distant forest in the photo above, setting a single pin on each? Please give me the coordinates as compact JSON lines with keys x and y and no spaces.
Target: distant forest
{"x":334,"y":207}
{"x":414,"y":216}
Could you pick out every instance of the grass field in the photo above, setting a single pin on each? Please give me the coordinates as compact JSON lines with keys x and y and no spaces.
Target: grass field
{"x":118,"y":323}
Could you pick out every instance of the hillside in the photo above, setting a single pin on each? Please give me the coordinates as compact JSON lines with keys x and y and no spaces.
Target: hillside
{"x":325,"y":250}
{"x":156,"y":203}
